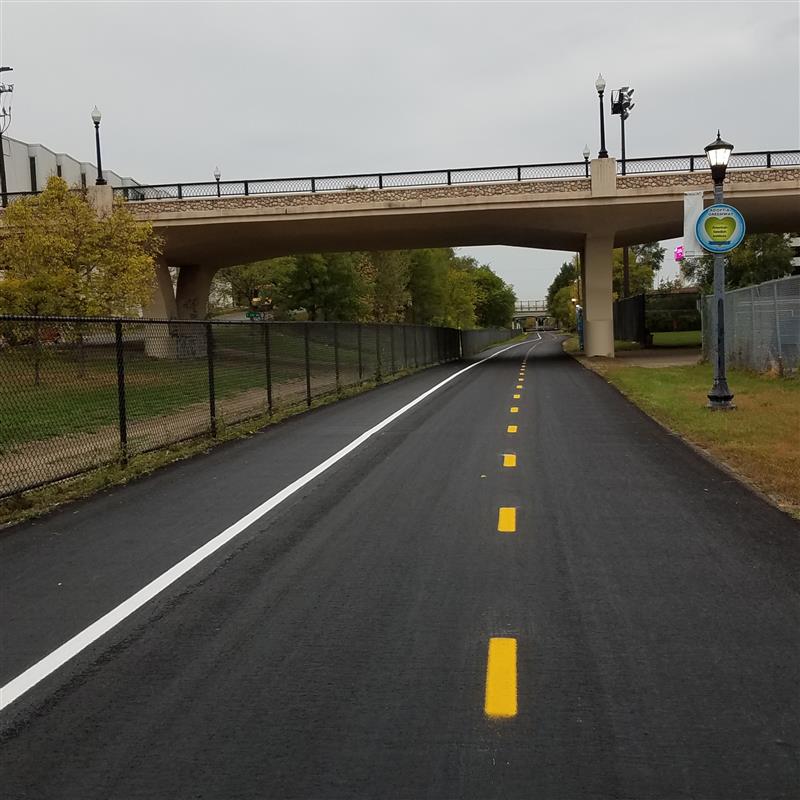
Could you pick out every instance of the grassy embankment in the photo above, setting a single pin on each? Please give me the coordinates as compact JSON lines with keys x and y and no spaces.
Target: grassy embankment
{"x":760,"y":439}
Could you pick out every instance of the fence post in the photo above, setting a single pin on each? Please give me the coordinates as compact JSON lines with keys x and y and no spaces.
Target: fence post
{"x":391,"y":341}
{"x":212,"y":400}
{"x":336,"y":352}
{"x":405,"y":349}
{"x":268,"y":360}
{"x":416,"y":359}
{"x":123,"y":417}
{"x":308,"y":365}
{"x":777,"y":324}
{"x":360,"y":359}
{"x":378,"y":353}
{"x":439,"y":344}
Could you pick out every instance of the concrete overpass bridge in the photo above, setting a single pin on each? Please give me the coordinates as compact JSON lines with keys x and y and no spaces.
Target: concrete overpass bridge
{"x":588,"y":208}
{"x":530,"y":309}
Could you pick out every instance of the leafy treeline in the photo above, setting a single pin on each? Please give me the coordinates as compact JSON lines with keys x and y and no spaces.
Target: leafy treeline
{"x":644,"y":260}
{"x":760,"y":257}
{"x":425,"y":287}
{"x":58,"y":257}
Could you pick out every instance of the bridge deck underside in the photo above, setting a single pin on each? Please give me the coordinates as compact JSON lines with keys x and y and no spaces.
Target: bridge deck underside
{"x":229,"y":236}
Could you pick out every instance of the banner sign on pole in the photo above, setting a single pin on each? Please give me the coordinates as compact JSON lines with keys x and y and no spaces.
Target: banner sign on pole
{"x":720,"y":228}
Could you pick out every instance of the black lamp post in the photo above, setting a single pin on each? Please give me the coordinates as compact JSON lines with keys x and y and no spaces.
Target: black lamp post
{"x":586,"y":154}
{"x":96,"y":116}
{"x":217,"y":176}
{"x":5,"y":121}
{"x":720,"y":396}
{"x":600,"y":85}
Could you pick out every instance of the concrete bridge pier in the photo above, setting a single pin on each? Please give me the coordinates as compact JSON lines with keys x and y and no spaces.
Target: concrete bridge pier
{"x":596,"y":269}
{"x":157,"y":340}
{"x":194,"y":285}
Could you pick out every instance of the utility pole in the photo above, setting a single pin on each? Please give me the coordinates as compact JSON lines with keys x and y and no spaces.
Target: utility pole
{"x":5,"y":121}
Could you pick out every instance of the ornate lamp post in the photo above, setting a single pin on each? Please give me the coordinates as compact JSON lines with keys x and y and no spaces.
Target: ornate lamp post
{"x":720,"y":396}
{"x":586,"y":154}
{"x":217,"y":176}
{"x":96,"y":117}
{"x":600,"y":85}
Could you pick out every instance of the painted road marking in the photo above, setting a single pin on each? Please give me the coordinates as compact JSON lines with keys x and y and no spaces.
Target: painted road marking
{"x":61,"y":655}
{"x":507,"y":520}
{"x":509,"y":460}
{"x":511,"y":429}
{"x":501,"y":678}
{"x":514,"y":409}
{"x":519,"y":386}
{"x":516,"y":397}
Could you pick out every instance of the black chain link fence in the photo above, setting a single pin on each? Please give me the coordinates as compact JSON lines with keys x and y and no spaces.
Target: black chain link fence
{"x":76,"y":394}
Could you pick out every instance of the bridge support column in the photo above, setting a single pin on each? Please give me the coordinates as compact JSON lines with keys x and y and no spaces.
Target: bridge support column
{"x":157,"y":340}
{"x":194,"y":284}
{"x":598,"y":297}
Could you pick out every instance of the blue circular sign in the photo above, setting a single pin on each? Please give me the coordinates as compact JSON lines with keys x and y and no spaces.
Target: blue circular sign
{"x":720,"y":228}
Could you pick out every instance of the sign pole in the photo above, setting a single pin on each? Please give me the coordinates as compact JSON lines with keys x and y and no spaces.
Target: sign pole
{"x":720,"y":397}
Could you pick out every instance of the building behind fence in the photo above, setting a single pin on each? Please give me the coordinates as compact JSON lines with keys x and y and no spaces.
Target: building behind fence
{"x":76,"y":394}
{"x":762,"y":326}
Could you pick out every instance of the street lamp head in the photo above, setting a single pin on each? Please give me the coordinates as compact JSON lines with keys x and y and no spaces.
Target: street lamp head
{"x":217,"y":173}
{"x":600,"y":84}
{"x":718,"y":154}
{"x":96,"y":115}
{"x":586,"y":151}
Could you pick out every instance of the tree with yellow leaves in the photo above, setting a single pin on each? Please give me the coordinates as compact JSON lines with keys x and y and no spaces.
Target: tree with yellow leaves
{"x":57,"y":257}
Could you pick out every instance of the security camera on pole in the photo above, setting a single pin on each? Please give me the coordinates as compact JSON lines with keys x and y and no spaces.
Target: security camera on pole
{"x":621,"y":104}
{"x":5,"y":121}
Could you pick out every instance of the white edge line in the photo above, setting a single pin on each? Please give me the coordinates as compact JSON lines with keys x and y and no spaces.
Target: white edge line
{"x":26,"y":680}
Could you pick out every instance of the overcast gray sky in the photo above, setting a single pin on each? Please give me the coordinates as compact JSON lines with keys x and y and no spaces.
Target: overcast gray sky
{"x":279,"y":89}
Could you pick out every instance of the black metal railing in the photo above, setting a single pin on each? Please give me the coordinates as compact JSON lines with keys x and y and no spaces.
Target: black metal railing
{"x":445,"y":177}
{"x":578,"y":170}
{"x":78,"y":393}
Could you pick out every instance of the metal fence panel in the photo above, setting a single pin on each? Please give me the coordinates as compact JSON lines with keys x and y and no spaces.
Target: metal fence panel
{"x":76,"y":394}
{"x":474,"y":342}
{"x":762,"y":326}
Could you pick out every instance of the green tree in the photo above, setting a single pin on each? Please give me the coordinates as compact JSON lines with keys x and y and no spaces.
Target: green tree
{"x":327,"y":286}
{"x":390,"y":294}
{"x":566,"y":276}
{"x":259,"y":279}
{"x":494,"y":299}
{"x":461,"y":297}
{"x":760,"y":257}
{"x":428,"y":285}
{"x":562,"y":307}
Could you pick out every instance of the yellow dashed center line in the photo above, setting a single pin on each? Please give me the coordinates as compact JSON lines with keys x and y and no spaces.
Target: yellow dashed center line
{"x":501,"y":678}
{"x":509,"y":460}
{"x":511,"y":429}
{"x":507,"y":520}
{"x":519,"y":386}
{"x":514,"y":410}
{"x":517,"y":396}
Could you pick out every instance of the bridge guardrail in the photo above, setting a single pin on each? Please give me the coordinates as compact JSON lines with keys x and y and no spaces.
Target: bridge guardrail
{"x":447,"y":177}
{"x":79,"y":393}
